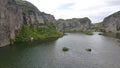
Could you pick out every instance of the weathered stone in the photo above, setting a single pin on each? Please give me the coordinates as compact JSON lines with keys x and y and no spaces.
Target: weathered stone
{"x":15,"y":13}
{"x":75,"y":24}
{"x":112,"y":23}
{"x":10,"y":21}
{"x":33,"y":17}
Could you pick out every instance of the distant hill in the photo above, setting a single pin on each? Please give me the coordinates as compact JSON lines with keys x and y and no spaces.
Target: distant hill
{"x":74,"y":24}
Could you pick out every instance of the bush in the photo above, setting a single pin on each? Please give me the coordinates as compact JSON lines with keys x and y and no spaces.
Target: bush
{"x":27,"y":33}
{"x":65,"y":49}
{"x":89,"y":32}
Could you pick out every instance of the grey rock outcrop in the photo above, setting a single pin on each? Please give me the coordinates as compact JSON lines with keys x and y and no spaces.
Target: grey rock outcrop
{"x":15,"y":13}
{"x":33,"y":17}
{"x":75,"y":24}
{"x":10,"y":21}
{"x":112,"y":23}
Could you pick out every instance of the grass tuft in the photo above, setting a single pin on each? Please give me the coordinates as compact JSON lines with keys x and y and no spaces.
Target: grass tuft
{"x":65,"y":49}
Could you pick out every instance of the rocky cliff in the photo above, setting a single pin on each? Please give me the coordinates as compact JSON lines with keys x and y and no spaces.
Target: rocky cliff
{"x":15,"y":13}
{"x":112,"y":23}
{"x":10,"y":21}
{"x":22,"y":21}
{"x":75,"y":24}
{"x":32,"y":16}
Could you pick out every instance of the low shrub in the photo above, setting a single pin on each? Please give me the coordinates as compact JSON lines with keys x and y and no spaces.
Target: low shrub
{"x":27,"y":33}
{"x":65,"y":49}
{"x":88,"y":32}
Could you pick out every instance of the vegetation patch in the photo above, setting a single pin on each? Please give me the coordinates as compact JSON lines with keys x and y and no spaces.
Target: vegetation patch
{"x":65,"y":49}
{"x":97,"y":27}
{"x":28,"y":34}
{"x":88,"y":32}
{"x":12,"y":41}
{"x":71,"y":31}
{"x":118,"y":40}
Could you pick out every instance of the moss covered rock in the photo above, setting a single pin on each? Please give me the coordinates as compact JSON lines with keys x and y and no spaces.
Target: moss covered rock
{"x":65,"y":49}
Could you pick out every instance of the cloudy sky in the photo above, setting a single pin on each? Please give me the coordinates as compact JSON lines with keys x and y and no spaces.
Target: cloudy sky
{"x":96,"y":10}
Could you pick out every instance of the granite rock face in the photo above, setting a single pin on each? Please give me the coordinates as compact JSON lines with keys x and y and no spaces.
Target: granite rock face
{"x":75,"y":24}
{"x":112,"y":23}
{"x":33,"y":17}
{"x":10,"y":21}
{"x":15,"y":13}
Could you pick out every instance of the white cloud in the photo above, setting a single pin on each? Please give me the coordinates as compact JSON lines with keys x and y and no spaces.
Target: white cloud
{"x":96,"y":10}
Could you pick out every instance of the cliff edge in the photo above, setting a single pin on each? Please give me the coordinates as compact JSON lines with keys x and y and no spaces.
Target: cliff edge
{"x":15,"y":15}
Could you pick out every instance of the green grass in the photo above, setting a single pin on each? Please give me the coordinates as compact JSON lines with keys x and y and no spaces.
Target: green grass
{"x":65,"y":49}
{"x":71,"y":31}
{"x":27,"y":33}
{"x":88,"y":32}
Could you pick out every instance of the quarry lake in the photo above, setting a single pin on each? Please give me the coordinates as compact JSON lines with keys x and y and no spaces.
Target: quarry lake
{"x":105,"y":53}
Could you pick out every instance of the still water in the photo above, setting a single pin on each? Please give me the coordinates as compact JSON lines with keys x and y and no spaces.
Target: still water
{"x":105,"y":53}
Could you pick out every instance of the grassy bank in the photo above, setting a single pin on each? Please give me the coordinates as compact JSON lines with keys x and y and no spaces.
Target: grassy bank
{"x":88,"y":32}
{"x":29,"y":34}
{"x":71,"y":31}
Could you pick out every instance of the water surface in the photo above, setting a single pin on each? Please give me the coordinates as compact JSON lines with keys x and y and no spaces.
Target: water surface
{"x":105,"y":53}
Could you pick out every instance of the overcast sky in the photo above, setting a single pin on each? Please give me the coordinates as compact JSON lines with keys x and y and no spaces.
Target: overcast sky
{"x":96,"y":10}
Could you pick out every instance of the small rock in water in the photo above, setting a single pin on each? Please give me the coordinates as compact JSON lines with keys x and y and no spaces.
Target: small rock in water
{"x":88,"y":49}
{"x":31,"y":38}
